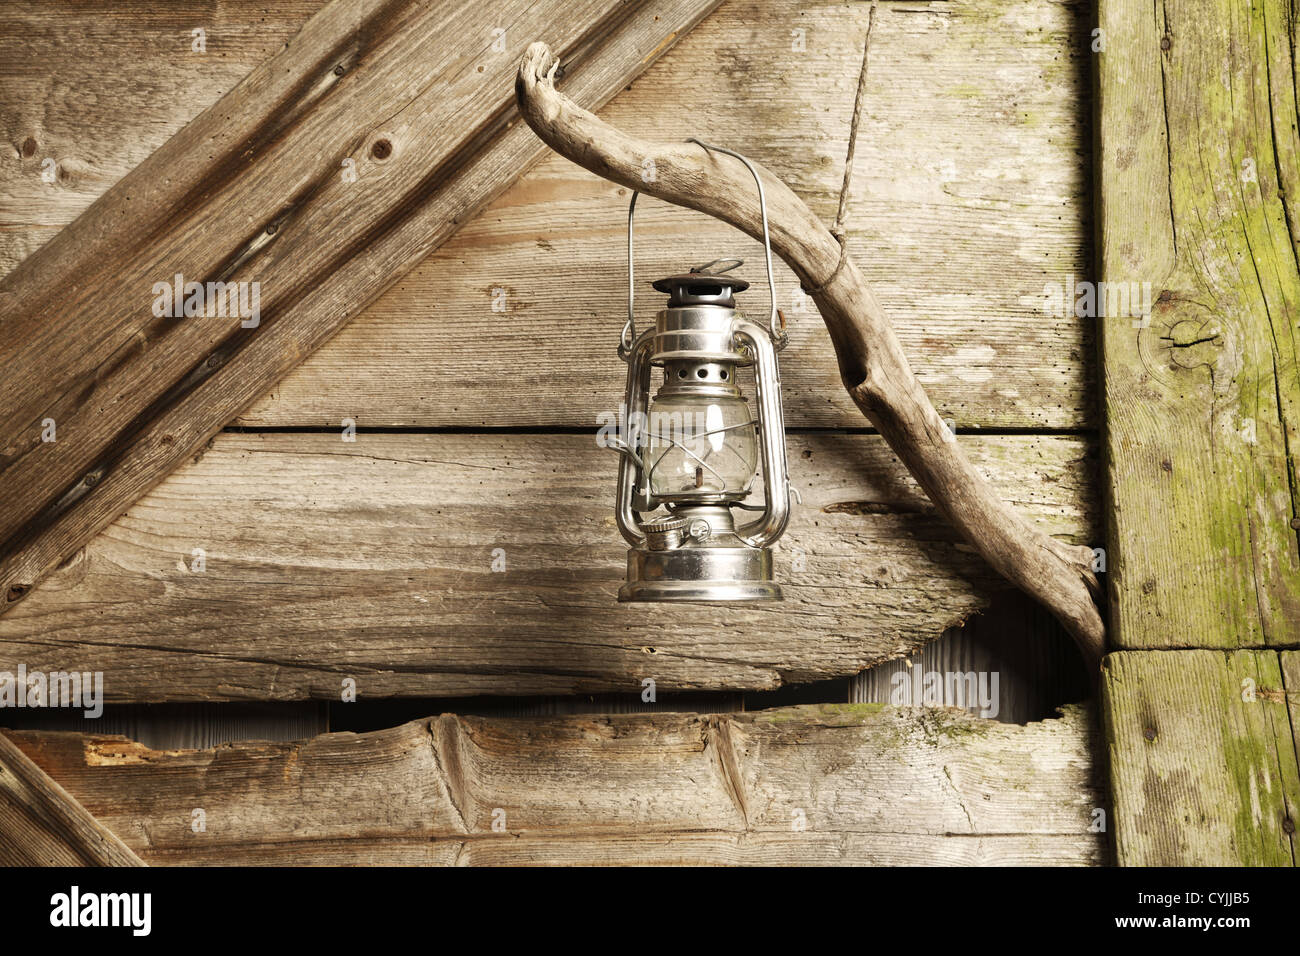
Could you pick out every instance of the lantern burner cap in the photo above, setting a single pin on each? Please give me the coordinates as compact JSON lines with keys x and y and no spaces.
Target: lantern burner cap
{"x":700,"y":288}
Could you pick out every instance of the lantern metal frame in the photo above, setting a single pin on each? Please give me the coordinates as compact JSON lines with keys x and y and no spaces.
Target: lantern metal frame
{"x":698,"y":552}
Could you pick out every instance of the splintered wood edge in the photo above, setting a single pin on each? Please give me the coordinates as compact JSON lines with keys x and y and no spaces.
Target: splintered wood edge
{"x":312,"y":589}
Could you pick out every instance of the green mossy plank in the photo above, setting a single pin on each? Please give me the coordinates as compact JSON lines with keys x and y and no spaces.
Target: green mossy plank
{"x":1198,"y":191}
{"x":1202,"y":762}
{"x":1291,"y":683}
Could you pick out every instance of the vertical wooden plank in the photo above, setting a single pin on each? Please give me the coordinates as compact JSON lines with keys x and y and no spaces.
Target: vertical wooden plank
{"x":1290,"y":661}
{"x":1202,"y":397}
{"x":1197,"y":149}
{"x":42,"y":825}
{"x":1203,"y":767}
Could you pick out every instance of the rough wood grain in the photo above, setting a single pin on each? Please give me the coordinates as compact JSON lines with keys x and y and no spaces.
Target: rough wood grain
{"x":1198,"y":197}
{"x":1290,"y":664}
{"x":1202,"y":763}
{"x":42,"y":825}
{"x":255,"y":190}
{"x":868,"y":784}
{"x":990,"y":207}
{"x":373,"y":560}
{"x":95,"y":88}
{"x":874,"y":369}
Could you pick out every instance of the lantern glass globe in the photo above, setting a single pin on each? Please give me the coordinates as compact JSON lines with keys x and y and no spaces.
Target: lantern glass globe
{"x":700,"y":445}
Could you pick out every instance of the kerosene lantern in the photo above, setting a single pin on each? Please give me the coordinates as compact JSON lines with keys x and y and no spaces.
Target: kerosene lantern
{"x":692,"y":453}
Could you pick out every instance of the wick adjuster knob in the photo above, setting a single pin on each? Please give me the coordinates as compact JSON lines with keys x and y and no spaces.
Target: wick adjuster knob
{"x":664,"y":534}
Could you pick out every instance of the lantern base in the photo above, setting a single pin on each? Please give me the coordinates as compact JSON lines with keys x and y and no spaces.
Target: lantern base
{"x":699,"y":574}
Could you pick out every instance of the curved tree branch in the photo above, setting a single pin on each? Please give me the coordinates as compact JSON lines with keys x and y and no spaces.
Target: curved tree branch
{"x":872,"y":364}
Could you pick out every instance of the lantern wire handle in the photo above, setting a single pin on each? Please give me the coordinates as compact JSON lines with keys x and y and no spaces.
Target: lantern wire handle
{"x":629,"y":330}
{"x":778,"y":333}
{"x":776,"y":319}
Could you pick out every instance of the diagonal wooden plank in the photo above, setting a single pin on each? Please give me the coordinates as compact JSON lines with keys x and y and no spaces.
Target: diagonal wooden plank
{"x":256,"y":189}
{"x":1198,"y":146}
{"x":813,"y":785}
{"x":453,"y":565}
{"x":1202,"y":763}
{"x":41,"y":824}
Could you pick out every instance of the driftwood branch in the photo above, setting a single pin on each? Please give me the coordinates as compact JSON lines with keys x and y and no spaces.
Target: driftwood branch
{"x":872,"y":364}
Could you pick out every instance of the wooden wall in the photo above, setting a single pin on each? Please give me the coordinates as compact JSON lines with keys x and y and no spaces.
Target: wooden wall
{"x":371,"y":559}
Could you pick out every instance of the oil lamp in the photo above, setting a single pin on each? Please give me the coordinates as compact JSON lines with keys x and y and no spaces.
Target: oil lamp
{"x":691,"y":455}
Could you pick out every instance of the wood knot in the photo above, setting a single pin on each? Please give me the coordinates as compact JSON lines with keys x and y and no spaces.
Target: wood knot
{"x":1183,"y":334}
{"x":16,"y":592}
{"x":29,"y":147}
{"x":1192,"y":344}
{"x":381,"y":149}
{"x":1149,"y":733}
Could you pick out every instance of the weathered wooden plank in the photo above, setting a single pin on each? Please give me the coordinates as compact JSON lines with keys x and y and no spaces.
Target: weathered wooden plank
{"x":832,"y":784}
{"x":1198,"y":134}
{"x":964,"y":212}
{"x":959,"y":239}
{"x":373,"y":560}
{"x":257,"y":190}
{"x":42,"y":825}
{"x":1290,"y":664}
{"x":1202,"y":763}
